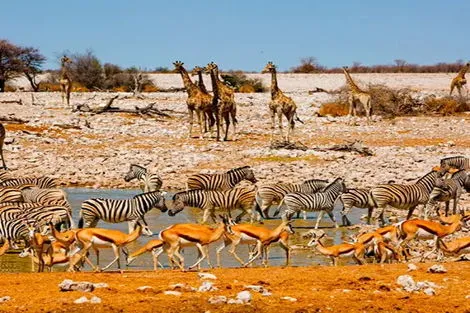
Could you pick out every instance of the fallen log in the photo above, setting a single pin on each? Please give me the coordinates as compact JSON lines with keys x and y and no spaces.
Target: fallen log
{"x":355,"y":146}
{"x":20,"y":102}
{"x":12,"y":120}
{"x":279,"y":144}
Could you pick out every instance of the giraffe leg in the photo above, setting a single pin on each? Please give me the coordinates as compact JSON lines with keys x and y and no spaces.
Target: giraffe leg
{"x":227,"y":124}
{"x":273,"y":120}
{"x":190,"y":111}
{"x":69,"y":89}
{"x":233,"y":114}
{"x":201,"y":119}
{"x":279,"y":118}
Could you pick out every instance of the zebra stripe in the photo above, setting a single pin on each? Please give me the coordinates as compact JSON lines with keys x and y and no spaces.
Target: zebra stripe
{"x":321,"y":201}
{"x":458,"y":162}
{"x":44,"y":195}
{"x":41,"y":182}
{"x":32,"y":205}
{"x":116,"y":211}
{"x":14,"y":230}
{"x":446,"y":190}
{"x":405,"y":197}
{"x":220,"y":182}
{"x":5,"y":175}
{"x":359,"y":198}
{"x":10,"y":194}
{"x":237,"y":198}
{"x":2,"y":140}
{"x":267,"y":194}
{"x":149,"y":182}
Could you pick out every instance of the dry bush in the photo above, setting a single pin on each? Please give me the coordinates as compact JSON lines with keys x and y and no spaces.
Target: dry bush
{"x":121,"y":89}
{"x":49,"y":86}
{"x":78,"y":87}
{"x":390,"y":102}
{"x":334,"y":109}
{"x":445,"y":105}
{"x":246,"y":89}
{"x":10,"y":88}
{"x":149,"y":87}
{"x":237,"y":80}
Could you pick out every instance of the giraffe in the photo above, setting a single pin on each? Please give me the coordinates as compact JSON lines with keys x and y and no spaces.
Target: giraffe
{"x":459,"y":81}
{"x":65,"y":80}
{"x":2,"y":139}
{"x":209,"y":117}
{"x":197,"y":101}
{"x":226,"y":108}
{"x":280,"y":104}
{"x":357,"y":95}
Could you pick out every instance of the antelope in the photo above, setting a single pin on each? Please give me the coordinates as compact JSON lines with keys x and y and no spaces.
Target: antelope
{"x":261,"y":236}
{"x":356,"y":250}
{"x":154,"y":246}
{"x":456,"y":247}
{"x":384,"y":251}
{"x":424,"y":229}
{"x":97,"y":238}
{"x":182,"y":235}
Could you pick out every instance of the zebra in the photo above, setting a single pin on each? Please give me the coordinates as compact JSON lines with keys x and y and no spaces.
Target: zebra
{"x":354,"y":197}
{"x":268,"y":194}
{"x":406,"y":197}
{"x":209,"y":200}
{"x":12,"y":231}
{"x":4,"y":175}
{"x":447,"y":189}
{"x":115,"y":211}
{"x":321,"y":201}
{"x":45,"y":196}
{"x":458,"y":162}
{"x":221,"y":182}
{"x":10,"y":194}
{"x":149,"y":182}
{"x":2,"y":140}
{"x":41,"y":182}
{"x":32,"y":205}
{"x":57,"y":213}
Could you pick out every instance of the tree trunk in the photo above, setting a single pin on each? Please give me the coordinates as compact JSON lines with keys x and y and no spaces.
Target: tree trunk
{"x":2,"y":85}
{"x":32,"y":81}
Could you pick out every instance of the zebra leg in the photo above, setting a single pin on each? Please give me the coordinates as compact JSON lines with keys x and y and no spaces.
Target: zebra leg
{"x":332,"y":217}
{"x":131,"y":226}
{"x":369,"y":215}
{"x":410,"y":212}
{"x":205,"y":215}
{"x":319,"y":217}
{"x":447,"y":208}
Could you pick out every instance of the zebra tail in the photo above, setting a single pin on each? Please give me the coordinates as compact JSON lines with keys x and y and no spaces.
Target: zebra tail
{"x":258,"y":208}
{"x":80,"y":222}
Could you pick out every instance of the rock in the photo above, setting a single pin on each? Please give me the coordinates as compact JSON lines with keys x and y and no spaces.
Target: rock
{"x":5,"y":299}
{"x":429,"y":291}
{"x":207,"y":286}
{"x":467,"y":297}
{"x":81,"y":300}
{"x":70,"y":285}
{"x":412,"y":267}
{"x":101,"y":285}
{"x":144,"y":288}
{"x":235,"y":301}
{"x":291,"y":299}
{"x":347,"y":290}
{"x":407,"y":282}
{"x":182,"y":287}
{"x":217,"y":300}
{"x":244,"y":296}
{"x":437,"y":268}
{"x":206,"y":276}
{"x":172,"y":293}
{"x":95,"y":300}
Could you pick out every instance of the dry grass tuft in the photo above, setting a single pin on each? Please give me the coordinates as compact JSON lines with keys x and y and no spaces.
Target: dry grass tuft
{"x":150,"y":88}
{"x":48,"y":86}
{"x":246,"y":89}
{"x":334,"y":109}
{"x":446,"y":105}
{"x":10,"y":88}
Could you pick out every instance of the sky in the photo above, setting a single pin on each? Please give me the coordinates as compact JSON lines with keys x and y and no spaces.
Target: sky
{"x":242,"y":34}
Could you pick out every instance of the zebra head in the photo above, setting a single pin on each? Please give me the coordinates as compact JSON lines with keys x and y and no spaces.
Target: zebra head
{"x":160,"y":202}
{"x":134,"y":170}
{"x":249,"y":174}
{"x":178,"y":203}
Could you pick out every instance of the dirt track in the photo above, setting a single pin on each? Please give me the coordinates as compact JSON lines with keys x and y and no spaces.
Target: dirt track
{"x":369,"y":288}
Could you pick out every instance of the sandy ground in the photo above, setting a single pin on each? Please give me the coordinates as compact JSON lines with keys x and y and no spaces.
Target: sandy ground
{"x":369,"y":288}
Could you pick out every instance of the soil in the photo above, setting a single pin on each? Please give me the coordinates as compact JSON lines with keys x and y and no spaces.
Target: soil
{"x":368,"y":288}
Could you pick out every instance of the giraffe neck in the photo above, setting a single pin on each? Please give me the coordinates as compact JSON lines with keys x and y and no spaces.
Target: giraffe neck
{"x":463,"y":71}
{"x":188,"y":84}
{"x":201,"y":82}
{"x":274,"y":87}
{"x":351,"y":83}
{"x":64,"y":74}
{"x":214,"y":81}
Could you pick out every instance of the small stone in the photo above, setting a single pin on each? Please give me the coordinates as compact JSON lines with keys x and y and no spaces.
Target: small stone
{"x":412,"y":267}
{"x":144,"y":288}
{"x":429,"y":291}
{"x":172,"y":293}
{"x":291,"y":299}
{"x":95,"y":300}
{"x":244,"y":296}
{"x":437,"y":269}
{"x":207,"y":286}
{"x":407,"y":282}
{"x":5,"y":299}
{"x":346,"y":290}
{"x":467,"y":297}
{"x":81,"y":300}
{"x":217,"y":300}
{"x":206,"y":276}
{"x":70,"y":285}
{"x":234,"y":301}
{"x":101,"y":285}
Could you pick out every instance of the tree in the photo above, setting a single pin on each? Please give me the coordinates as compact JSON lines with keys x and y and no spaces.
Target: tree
{"x":308,"y":65}
{"x":16,"y":60}
{"x":400,"y":64}
{"x":87,"y":70}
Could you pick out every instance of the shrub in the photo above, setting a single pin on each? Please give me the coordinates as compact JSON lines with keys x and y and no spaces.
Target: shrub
{"x":149,"y":87}
{"x":49,"y":86}
{"x":238,"y":80}
{"x":77,"y":87}
{"x":445,"y":105}
{"x":334,"y":109}
{"x":10,"y":88}
{"x":308,"y":65}
{"x":86,"y":69}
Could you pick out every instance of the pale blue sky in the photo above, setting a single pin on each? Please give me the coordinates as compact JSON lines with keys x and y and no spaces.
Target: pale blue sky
{"x":242,"y":34}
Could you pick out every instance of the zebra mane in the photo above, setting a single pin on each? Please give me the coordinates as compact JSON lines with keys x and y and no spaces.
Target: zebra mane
{"x":315,"y":180}
{"x":146,"y":193}
{"x":138,"y":166}
{"x":425,"y":176}
{"x":238,"y":168}
{"x":452,"y":157}
{"x":331,"y":184}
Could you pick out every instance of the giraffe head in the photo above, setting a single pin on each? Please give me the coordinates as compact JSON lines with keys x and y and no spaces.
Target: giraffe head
{"x":269,"y":68}
{"x":178,"y":66}
{"x":210,"y":67}
{"x":196,"y":70}
{"x":65,"y":60}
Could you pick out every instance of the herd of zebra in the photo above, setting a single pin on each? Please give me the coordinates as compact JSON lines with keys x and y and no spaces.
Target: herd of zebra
{"x":32,"y":207}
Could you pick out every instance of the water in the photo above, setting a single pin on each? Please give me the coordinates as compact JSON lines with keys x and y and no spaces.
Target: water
{"x":158,"y":221}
